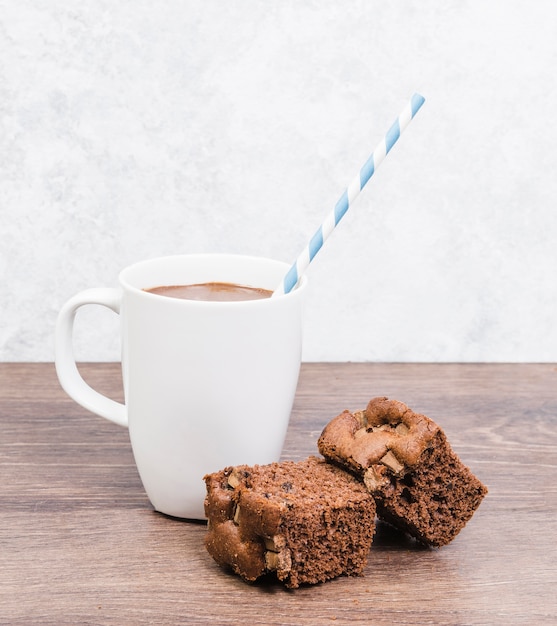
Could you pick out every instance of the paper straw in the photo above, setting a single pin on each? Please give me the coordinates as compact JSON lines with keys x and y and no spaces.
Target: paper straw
{"x":350,"y":194}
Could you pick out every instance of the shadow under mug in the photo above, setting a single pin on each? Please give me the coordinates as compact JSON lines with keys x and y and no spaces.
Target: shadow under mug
{"x":206,"y":384}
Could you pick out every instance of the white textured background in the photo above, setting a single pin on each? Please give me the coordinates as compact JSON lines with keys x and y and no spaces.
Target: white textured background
{"x":139,"y":128}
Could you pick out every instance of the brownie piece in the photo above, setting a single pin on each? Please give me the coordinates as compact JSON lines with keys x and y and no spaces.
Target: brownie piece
{"x":307,"y":521}
{"x":404,"y":459}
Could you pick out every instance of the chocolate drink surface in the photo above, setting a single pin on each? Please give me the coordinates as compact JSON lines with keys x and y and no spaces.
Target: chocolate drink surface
{"x":216,"y":292}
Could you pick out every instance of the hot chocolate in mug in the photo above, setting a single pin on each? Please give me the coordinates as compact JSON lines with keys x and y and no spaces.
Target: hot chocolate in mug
{"x":207,"y":384}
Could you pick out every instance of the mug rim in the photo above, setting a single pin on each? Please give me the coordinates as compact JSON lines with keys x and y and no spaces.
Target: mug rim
{"x":127,"y":284}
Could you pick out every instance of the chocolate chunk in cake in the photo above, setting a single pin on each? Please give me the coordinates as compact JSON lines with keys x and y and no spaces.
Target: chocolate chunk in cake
{"x":307,"y":521}
{"x":404,"y":459}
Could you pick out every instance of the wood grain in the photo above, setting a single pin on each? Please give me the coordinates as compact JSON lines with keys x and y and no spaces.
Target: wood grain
{"x":80,"y":543}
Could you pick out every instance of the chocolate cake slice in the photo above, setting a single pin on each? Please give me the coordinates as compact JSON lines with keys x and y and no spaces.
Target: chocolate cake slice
{"x":405,"y":461}
{"x":307,"y":521}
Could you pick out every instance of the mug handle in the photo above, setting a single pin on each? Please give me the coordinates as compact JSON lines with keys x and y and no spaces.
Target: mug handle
{"x":68,"y":374}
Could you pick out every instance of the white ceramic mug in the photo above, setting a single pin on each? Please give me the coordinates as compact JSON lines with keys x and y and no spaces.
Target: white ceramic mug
{"x":206,"y":384}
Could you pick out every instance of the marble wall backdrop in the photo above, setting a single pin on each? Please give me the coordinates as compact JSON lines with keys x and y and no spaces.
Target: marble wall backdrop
{"x":139,"y":128}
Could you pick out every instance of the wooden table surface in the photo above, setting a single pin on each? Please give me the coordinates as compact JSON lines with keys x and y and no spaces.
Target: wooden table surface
{"x":80,"y":543}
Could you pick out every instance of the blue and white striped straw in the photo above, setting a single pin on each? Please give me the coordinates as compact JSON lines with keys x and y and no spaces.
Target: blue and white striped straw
{"x":350,"y":194}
